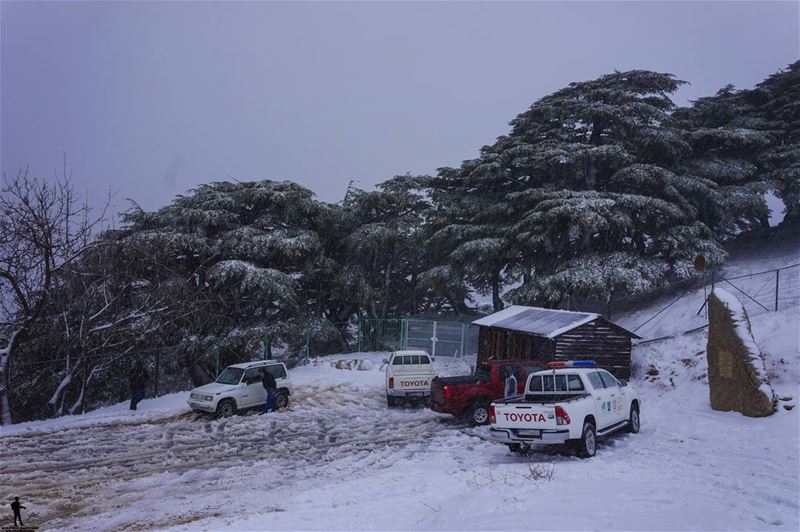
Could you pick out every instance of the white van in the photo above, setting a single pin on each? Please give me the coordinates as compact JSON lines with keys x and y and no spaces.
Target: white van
{"x":408,"y":377}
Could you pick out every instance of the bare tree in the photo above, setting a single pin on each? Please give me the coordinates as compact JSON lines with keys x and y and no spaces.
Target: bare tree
{"x":43,"y":229}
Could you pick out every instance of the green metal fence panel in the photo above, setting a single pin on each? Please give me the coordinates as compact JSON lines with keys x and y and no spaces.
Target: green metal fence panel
{"x":442,"y":338}
{"x":439,"y":338}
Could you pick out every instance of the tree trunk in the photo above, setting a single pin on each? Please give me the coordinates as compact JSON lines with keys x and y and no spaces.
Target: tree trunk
{"x":497,"y":302}
{"x":593,"y":167}
{"x":5,"y":378}
{"x":591,"y":174}
{"x":56,"y":402}
{"x":387,"y":280}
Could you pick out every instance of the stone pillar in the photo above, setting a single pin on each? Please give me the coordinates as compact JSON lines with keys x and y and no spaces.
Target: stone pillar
{"x":737,"y":376}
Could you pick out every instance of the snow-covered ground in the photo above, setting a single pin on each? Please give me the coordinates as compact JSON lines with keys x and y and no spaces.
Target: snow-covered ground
{"x":339,"y":459}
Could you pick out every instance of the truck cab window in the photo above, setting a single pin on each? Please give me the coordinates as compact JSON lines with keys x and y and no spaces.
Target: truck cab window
{"x":251,"y":376}
{"x":536,"y":383}
{"x":608,"y":380}
{"x":278,"y":371}
{"x":597,"y":382}
{"x":533,"y":369}
{"x":574,"y":383}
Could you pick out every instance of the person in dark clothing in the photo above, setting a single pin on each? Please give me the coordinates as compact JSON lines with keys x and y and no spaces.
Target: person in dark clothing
{"x":138,"y":382}
{"x":15,"y":507}
{"x":510,"y":388}
{"x":268,"y":381}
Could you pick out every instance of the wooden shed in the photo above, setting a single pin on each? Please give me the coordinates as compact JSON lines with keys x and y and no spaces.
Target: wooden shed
{"x":532,"y":333}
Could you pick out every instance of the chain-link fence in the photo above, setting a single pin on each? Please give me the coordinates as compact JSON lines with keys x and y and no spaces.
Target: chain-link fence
{"x":759,"y":292}
{"x":439,"y":338}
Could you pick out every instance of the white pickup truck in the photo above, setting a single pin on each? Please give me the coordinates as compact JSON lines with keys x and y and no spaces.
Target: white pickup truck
{"x":408,"y":377}
{"x":574,"y":403}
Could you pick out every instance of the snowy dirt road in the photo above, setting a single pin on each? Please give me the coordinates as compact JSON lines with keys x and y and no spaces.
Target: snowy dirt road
{"x":340,"y":459}
{"x":77,"y":472}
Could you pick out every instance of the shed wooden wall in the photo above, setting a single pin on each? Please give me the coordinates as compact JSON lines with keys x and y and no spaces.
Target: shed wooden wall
{"x":601,"y":341}
{"x":502,"y":344}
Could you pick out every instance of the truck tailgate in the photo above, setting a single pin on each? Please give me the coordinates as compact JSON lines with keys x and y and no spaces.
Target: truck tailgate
{"x":525,"y":416}
{"x":409,"y":383}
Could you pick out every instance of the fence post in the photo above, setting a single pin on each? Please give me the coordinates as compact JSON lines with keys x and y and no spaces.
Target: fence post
{"x":777,"y":286}
{"x":463,"y":338}
{"x":433,"y":340}
{"x":359,"y":332}
{"x":308,"y":347}
{"x":85,"y":391}
{"x":216,"y":359}
{"x":158,"y":359}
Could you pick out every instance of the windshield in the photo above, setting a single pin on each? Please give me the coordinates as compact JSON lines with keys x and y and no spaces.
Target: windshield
{"x":230,"y":376}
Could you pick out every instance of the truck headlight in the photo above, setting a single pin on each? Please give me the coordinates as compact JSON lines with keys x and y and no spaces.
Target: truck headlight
{"x":201,"y":397}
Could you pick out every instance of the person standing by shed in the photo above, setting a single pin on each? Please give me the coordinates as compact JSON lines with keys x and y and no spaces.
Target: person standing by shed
{"x":510,"y":389}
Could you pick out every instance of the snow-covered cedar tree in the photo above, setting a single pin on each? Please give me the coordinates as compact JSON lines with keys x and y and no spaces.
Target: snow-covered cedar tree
{"x":748,"y":142}
{"x":777,"y":102}
{"x":585,"y":172}
{"x":385,"y":249}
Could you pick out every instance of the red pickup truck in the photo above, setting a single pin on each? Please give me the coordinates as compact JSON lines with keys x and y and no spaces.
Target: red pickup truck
{"x":471,"y":395}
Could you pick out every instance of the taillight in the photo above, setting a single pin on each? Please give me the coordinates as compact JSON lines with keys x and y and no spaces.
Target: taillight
{"x":492,"y":416}
{"x":391,"y":382}
{"x":446,"y":393}
{"x":562,"y":418}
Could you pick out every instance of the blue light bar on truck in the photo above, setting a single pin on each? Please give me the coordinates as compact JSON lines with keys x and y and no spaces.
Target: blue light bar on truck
{"x":573,"y":364}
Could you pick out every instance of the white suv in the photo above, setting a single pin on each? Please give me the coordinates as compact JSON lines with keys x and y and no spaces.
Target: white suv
{"x":239,"y":388}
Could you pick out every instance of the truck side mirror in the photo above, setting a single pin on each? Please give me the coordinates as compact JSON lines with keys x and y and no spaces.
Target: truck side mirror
{"x":623,"y":383}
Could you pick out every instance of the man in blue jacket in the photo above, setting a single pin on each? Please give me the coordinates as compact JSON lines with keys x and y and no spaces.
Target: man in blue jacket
{"x":268,"y":381}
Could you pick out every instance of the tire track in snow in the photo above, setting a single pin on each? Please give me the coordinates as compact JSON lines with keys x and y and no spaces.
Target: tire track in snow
{"x":62,"y":467}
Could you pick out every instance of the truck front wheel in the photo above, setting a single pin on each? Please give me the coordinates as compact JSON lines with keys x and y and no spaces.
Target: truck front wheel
{"x":226,"y":408}
{"x":586,"y":447}
{"x":478,"y":412}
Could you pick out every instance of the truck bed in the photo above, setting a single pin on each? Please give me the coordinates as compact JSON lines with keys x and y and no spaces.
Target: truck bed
{"x":463,"y":379}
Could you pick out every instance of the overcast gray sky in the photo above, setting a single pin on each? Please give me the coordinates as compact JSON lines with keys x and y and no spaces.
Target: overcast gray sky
{"x":150,"y":99}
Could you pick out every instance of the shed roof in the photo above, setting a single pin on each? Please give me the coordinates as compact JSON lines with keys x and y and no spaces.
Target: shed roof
{"x":534,"y":320}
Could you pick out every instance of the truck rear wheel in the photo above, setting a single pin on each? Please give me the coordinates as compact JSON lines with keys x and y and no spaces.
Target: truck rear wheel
{"x":281,"y":400}
{"x":633,"y":420}
{"x":391,"y":401}
{"x":478,"y":412}
{"x":586,"y":447}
